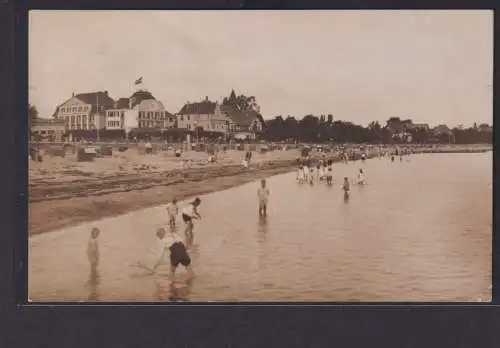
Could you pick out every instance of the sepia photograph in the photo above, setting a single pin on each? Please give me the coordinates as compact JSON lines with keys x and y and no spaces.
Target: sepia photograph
{"x":260,"y":156}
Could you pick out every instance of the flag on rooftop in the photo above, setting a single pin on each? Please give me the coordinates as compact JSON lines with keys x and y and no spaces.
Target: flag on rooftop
{"x":138,"y":81}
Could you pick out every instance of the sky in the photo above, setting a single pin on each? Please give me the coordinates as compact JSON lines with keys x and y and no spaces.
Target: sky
{"x":360,"y":66}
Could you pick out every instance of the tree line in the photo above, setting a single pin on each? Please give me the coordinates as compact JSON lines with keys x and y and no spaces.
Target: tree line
{"x":320,"y":129}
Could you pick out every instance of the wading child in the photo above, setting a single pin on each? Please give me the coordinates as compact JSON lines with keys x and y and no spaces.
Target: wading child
{"x":361,"y":177}
{"x":311,"y":176}
{"x":171,"y":243}
{"x":346,"y":187}
{"x":173,"y":211}
{"x":189,"y":213}
{"x":300,"y":174}
{"x":93,"y":250}
{"x":263,"y":195}
{"x":329,"y":176}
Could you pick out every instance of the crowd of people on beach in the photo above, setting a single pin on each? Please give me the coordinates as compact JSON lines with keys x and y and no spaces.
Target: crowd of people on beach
{"x":176,"y":249}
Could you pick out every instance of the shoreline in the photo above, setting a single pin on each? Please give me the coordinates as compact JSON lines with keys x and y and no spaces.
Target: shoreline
{"x":55,"y":206}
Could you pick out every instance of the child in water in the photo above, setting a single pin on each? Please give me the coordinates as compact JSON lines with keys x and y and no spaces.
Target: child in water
{"x":311,"y":175}
{"x":263,"y":195}
{"x":173,"y":244}
{"x":346,"y":187}
{"x":361,"y":177}
{"x":300,"y":174}
{"x":93,"y":250}
{"x":329,"y":176}
{"x":173,"y":211}
{"x":189,"y":213}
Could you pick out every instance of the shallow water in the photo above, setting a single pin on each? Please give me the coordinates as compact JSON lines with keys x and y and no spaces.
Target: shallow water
{"x":420,"y":230}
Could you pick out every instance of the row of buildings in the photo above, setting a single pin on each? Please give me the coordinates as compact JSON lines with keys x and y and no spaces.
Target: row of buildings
{"x":89,"y":113}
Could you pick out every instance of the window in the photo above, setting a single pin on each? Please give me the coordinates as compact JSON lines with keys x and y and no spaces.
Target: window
{"x":170,"y":119}
{"x":73,"y":109}
{"x":188,"y":117}
{"x":80,"y":109}
{"x":182,"y":118}
{"x":63,"y":109}
{"x":123,"y":114}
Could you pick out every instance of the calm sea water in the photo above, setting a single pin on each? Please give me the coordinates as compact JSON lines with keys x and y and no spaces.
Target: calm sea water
{"x":420,"y":230}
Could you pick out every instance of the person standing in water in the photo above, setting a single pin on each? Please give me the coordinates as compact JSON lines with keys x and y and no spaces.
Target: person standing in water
{"x":346,"y":187}
{"x":361,"y":177}
{"x":329,"y":176}
{"x":189,"y":213}
{"x":172,"y":243}
{"x":263,"y":195}
{"x":173,"y":211}
{"x":311,"y":176}
{"x":300,"y":174}
{"x":93,"y":250}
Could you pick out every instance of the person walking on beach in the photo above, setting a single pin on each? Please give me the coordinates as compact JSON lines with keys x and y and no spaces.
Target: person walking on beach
{"x":173,"y":211}
{"x":189,"y":213}
{"x":172,"y":244}
{"x":263,"y":195}
{"x":93,"y":250}
{"x":346,"y":187}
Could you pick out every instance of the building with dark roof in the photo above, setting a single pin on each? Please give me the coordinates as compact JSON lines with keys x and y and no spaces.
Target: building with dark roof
{"x":242,"y":123}
{"x":139,"y":96}
{"x":122,"y":103}
{"x":85,"y":111}
{"x":140,"y":111}
{"x":205,"y":115}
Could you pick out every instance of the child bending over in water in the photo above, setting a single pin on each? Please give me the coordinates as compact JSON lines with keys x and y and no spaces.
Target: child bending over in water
{"x":93,"y":250}
{"x":173,"y":211}
{"x":172,"y":244}
{"x":263,"y":194}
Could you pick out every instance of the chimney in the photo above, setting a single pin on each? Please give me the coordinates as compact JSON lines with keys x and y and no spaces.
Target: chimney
{"x":106,"y":93}
{"x":206,"y":98}
{"x":73,"y":94}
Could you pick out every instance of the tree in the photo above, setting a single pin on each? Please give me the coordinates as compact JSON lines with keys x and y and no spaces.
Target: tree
{"x":241,"y":102}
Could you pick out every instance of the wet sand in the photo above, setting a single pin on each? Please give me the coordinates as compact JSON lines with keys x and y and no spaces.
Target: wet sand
{"x":62,"y":193}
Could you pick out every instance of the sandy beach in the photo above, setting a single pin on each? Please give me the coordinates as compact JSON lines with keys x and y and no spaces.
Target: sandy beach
{"x":63,"y":192}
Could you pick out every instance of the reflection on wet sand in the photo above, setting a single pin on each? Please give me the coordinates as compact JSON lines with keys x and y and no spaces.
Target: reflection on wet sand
{"x":181,"y":293}
{"x":93,"y":284}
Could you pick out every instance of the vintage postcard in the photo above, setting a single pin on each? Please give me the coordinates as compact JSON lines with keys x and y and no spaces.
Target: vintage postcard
{"x":326,"y":156}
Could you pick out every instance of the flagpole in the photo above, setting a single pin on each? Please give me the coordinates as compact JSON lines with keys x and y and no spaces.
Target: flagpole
{"x":97,"y":123}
